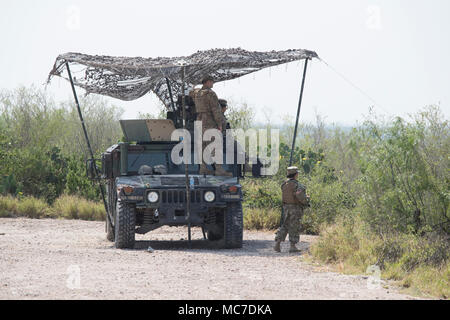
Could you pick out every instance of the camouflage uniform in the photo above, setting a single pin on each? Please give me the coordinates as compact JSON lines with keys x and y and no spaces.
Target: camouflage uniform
{"x":208,"y":109}
{"x":210,"y":114}
{"x":294,"y":200}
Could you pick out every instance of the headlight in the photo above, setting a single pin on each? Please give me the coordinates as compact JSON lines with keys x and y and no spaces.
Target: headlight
{"x":153,"y":197}
{"x":209,"y":196}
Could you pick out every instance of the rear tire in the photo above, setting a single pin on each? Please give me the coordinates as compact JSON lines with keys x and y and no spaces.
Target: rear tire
{"x":125,"y":225}
{"x":213,"y":236}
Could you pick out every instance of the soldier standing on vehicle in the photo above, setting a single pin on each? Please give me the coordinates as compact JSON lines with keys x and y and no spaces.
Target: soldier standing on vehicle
{"x":295,"y":200}
{"x":211,"y":116}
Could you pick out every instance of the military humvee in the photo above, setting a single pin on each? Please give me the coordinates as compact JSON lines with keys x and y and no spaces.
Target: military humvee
{"x":146,"y":190}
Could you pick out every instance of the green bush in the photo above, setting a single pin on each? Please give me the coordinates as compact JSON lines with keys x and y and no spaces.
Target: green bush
{"x":41,"y":172}
{"x":404,"y":183}
{"x":329,"y":199}
{"x":261,"y":193}
{"x":9,"y":185}
{"x":77,"y":182}
{"x":42,"y":147}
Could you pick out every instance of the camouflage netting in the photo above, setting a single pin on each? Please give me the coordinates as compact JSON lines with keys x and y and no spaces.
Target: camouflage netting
{"x":131,"y":78}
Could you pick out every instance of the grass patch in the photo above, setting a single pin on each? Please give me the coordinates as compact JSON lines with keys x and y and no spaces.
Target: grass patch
{"x":31,"y":207}
{"x":8,"y":206}
{"x":65,"y":207}
{"x":71,"y":207}
{"x":261,"y":219}
{"x":420,"y":264}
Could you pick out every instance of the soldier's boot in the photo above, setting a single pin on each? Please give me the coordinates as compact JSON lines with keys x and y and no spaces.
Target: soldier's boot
{"x":221,"y":172}
{"x":293,"y":248}
{"x":204,"y":170}
{"x":277,"y":246}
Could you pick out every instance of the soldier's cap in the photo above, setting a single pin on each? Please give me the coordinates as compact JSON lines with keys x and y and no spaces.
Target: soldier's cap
{"x":206,"y":79}
{"x":292,"y":170}
{"x":223,"y":103}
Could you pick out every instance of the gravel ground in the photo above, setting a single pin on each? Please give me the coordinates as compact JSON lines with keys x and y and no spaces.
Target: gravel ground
{"x":40,"y":259}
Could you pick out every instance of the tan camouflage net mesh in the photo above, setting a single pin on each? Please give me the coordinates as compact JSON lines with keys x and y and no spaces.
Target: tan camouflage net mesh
{"x":131,"y":78}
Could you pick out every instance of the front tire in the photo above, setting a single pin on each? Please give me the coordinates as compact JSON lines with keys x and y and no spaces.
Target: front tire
{"x":125,"y":225}
{"x":233,"y":226}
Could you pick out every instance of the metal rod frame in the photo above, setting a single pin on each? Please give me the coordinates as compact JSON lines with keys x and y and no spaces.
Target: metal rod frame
{"x":186,"y":165}
{"x":298,"y":111}
{"x":87,"y":141}
{"x":169,"y":87}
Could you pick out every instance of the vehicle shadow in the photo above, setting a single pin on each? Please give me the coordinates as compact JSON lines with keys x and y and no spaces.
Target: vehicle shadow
{"x":249,"y":248}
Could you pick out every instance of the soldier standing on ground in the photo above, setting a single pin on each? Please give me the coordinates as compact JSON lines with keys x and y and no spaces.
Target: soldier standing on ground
{"x":211,"y":116}
{"x":295,"y":200}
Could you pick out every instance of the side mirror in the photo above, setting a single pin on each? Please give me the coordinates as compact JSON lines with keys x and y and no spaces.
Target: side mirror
{"x":107,"y":165}
{"x":91,"y":170}
{"x":256,"y":169}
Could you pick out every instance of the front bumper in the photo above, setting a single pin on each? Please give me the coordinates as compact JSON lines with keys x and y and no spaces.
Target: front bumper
{"x":171,"y":207}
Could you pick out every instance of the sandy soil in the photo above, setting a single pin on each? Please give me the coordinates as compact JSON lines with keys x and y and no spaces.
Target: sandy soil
{"x":41,"y":259}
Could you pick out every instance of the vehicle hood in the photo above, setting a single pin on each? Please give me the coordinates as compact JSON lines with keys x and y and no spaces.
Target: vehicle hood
{"x":175,"y":181}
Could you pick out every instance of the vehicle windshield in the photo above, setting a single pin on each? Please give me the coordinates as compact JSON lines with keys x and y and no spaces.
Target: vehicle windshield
{"x":154,"y":158}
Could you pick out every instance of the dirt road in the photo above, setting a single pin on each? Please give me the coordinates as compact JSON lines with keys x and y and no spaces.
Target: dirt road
{"x":62,"y":259}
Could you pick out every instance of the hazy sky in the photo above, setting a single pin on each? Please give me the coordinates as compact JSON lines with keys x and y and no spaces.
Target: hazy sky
{"x":397,"y":51}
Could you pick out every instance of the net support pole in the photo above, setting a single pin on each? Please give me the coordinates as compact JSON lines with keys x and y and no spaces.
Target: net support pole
{"x":298,"y":111}
{"x":170,"y":94}
{"x":77,"y":103}
{"x":186,"y":165}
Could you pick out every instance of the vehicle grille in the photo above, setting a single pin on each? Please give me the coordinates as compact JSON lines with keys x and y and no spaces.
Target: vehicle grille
{"x":179,"y":196}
